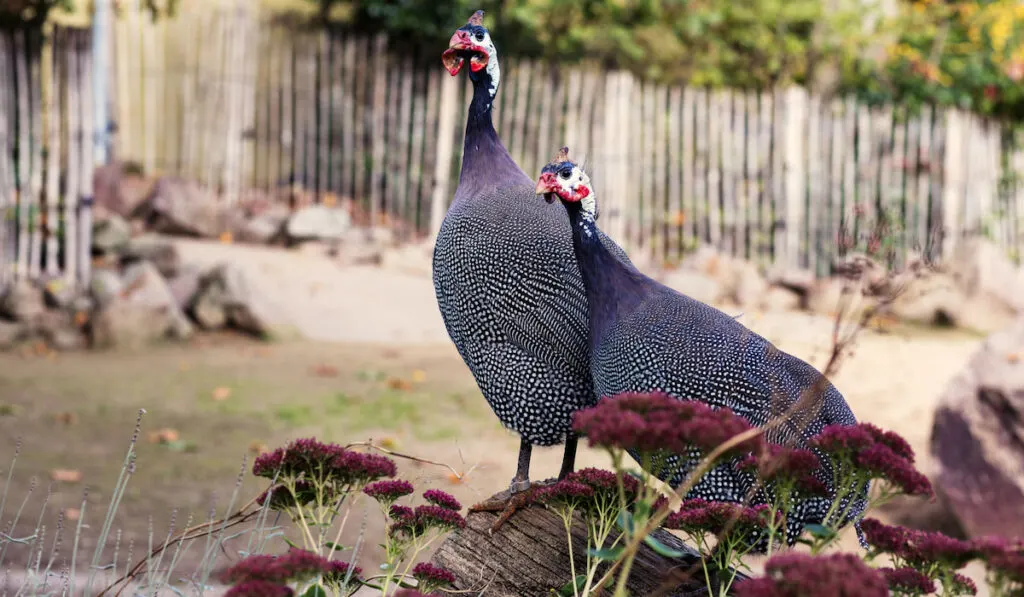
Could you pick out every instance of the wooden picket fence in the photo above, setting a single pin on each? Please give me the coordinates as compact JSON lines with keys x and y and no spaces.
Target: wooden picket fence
{"x":246,"y":106}
{"x":46,"y":160}
{"x":238,"y":103}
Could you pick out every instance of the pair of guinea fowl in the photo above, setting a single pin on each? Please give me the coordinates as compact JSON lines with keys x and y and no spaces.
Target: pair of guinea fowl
{"x":549,"y":313}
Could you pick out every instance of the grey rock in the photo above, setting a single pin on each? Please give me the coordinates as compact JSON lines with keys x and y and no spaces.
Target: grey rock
{"x":747,"y":288}
{"x":181,"y":207}
{"x":57,"y":328}
{"x":318,"y":222}
{"x":105,"y":286}
{"x":12,"y":333}
{"x":780,"y":298}
{"x":694,"y":285}
{"x":144,"y":312}
{"x":185,"y":285}
{"x":977,"y":438}
{"x":159,"y":251}
{"x":110,"y":234}
{"x":980,"y":267}
{"x":22,"y":302}
{"x":59,"y":293}
{"x":264,"y":227}
{"x":227,"y":289}
{"x":799,"y":280}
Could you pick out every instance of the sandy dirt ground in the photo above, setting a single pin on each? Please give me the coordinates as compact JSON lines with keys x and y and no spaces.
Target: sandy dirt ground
{"x":369,"y":328}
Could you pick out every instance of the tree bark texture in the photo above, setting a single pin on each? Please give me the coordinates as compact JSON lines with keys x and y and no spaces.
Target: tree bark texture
{"x":528,"y":556}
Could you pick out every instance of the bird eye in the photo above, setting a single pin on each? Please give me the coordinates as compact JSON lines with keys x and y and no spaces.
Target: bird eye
{"x":479,"y":36}
{"x":565,"y":174}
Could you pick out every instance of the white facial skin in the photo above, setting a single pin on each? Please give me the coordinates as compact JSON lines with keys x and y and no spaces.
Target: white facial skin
{"x":576,"y":180}
{"x":492,"y":63}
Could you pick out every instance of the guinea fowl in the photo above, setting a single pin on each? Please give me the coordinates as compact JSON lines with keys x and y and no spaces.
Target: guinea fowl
{"x":645,"y":337}
{"x":507,"y":283}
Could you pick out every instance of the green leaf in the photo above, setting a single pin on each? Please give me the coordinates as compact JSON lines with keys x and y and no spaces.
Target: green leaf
{"x":315,"y":591}
{"x":289,"y":542}
{"x":662,"y":549}
{"x":820,"y":531}
{"x":609,"y":554}
{"x":572,"y":588}
{"x":335,"y":546}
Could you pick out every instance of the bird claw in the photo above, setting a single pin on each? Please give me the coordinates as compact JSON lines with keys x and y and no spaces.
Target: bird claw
{"x":517,"y":497}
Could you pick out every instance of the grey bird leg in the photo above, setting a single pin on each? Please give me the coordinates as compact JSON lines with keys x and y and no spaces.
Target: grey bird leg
{"x":569,"y":456}
{"x":521,"y":482}
{"x":520,"y":490}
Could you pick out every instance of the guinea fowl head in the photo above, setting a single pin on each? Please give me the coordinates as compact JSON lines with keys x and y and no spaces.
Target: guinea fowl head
{"x":566,"y":180}
{"x":472,"y":41}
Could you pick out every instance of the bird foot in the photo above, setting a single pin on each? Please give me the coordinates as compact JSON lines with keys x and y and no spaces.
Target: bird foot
{"x":517,"y":497}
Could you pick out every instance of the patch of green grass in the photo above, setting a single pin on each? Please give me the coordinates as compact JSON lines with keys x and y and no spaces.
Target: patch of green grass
{"x":296,"y":415}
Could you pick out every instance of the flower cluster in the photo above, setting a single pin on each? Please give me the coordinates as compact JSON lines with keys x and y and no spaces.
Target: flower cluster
{"x":655,"y":423}
{"x":865,"y":452}
{"x":960,"y":585}
{"x":1004,"y":560}
{"x":907,"y":581}
{"x":431,"y":578}
{"x":320,"y":462}
{"x":442,"y":499}
{"x":564,"y":493}
{"x":918,"y":549}
{"x":797,"y":575}
{"x":259,"y":588}
{"x":788,"y":467}
{"x":697,"y":517}
{"x":410,"y":523}
{"x":297,"y":564}
{"x":282,"y":497}
{"x":386,"y":492}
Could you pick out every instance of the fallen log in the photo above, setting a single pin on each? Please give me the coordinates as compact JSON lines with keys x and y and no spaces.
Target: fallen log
{"x":528,"y":556}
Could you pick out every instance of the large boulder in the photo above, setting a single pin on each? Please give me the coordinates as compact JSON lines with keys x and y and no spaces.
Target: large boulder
{"x":980,"y":267}
{"x":978,"y":438}
{"x":260,"y":226}
{"x":940,"y":299}
{"x":695,"y":285}
{"x":159,"y":251}
{"x":228,"y":297}
{"x":181,"y":207}
{"x":143,"y":312}
{"x":118,"y":189}
{"x":110,"y":234}
{"x":12,"y":333}
{"x":318,"y":222}
{"x":22,"y":302}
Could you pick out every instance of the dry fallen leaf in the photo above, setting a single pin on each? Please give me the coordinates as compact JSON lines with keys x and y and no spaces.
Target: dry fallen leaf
{"x":163,"y":436}
{"x":329,"y":200}
{"x":221,"y":393}
{"x":388,"y":443}
{"x":324,"y":370}
{"x":390,"y":353}
{"x":226,"y":238}
{"x":1013,"y":357}
{"x":81,"y":318}
{"x":257,"y":447}
{"x":456,"y":479}
{"x":397,"y":383}
{"x":63,"y":475}
{"x":419,"y":376}
{"x":678,"y":218}
{"x":67,"y":418}
{"x":72,"y":514}
{"x":184,"y":366}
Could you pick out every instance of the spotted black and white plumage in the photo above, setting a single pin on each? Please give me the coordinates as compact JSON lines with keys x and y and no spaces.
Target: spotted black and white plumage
{"x":648,"y":337}
{"x":506,"y":278}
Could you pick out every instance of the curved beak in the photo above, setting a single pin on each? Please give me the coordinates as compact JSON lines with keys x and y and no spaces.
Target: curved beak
{"x":546,"y":186}
{"x":460,"y":43}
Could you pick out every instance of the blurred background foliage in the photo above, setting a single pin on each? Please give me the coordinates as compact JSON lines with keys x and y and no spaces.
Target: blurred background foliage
{"x":968,"y":54}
